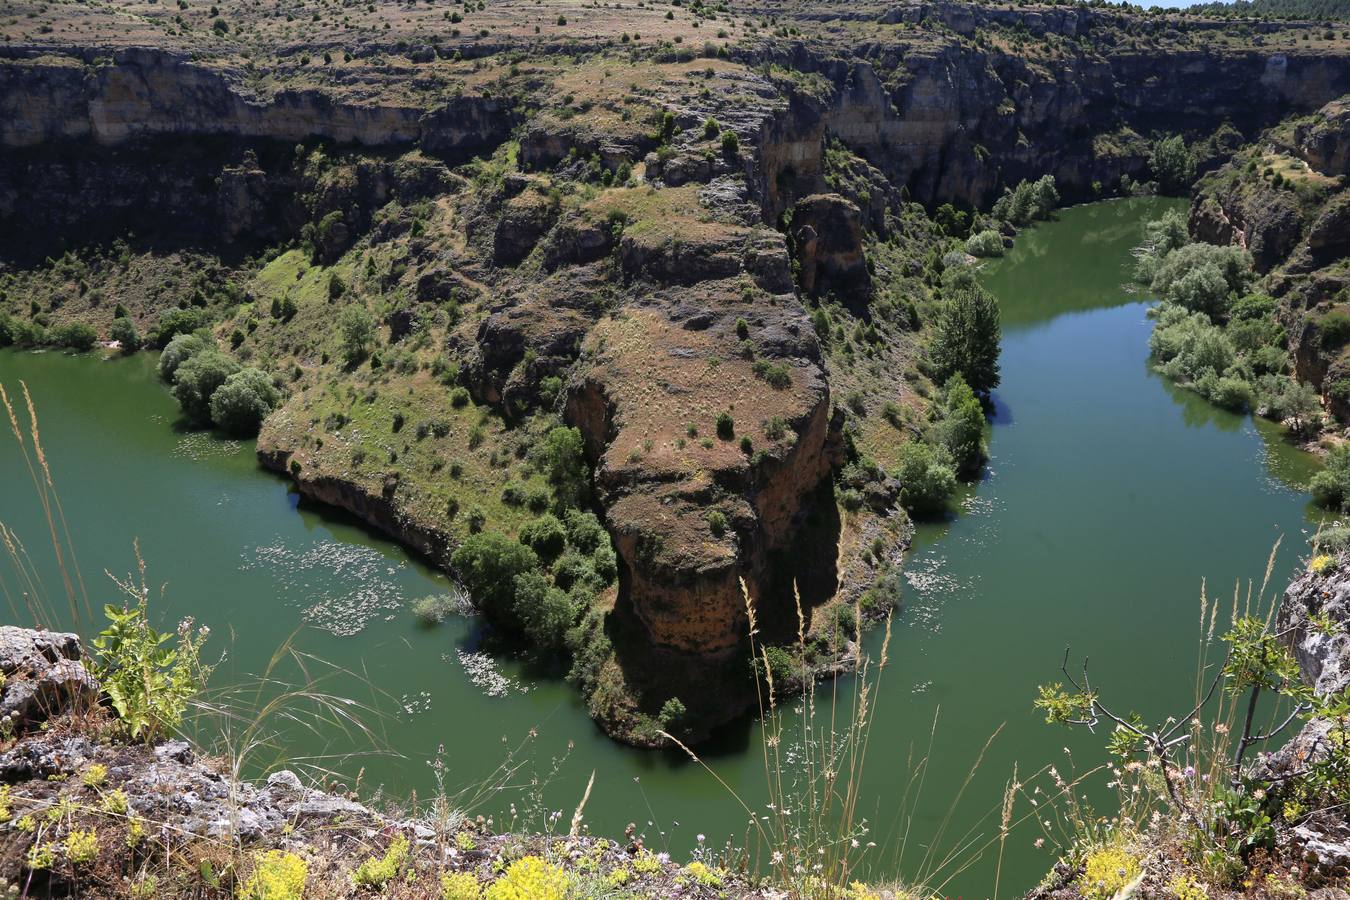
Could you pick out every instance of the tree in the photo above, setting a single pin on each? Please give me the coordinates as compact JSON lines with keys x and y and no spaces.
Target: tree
{"x":966,"y":335}
{"x":239,"y":405}
{"x":545,"y":536}
{"x":197,"y":380}
{"x":1172,"y":164}
{"x":561,"y":456}
{"x":986,"y":243}
{"x":123,"y":330}
{"x":76,"y":336}
{"x":488,"y":564}
{"x":176,"y":322}
{"x":179,"y":350}
{"x":1331,"y":486}
{"x":961,"y":430}
{"x":927,"y":479}
{"x":1200,"y":277}
{"x":1045,"y":196}
{"x":545,"y":612}
{"x":358,"y":333}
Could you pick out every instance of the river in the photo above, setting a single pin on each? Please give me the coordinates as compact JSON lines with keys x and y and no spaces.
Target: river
{"x":1109,"y":497}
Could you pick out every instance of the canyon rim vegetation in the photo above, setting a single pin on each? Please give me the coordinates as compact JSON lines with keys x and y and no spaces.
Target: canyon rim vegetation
{"x":657,"y":325}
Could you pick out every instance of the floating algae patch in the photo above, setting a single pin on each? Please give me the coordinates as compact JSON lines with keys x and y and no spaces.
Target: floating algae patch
{"x":341,"y":587}
{"x":203,"y":445}
{"x":483,"y":672}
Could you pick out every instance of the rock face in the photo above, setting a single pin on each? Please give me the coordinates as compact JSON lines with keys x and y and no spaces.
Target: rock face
{"x":44,"y":675}
{"x":1324,"y":140}
{"x":827,"y":236}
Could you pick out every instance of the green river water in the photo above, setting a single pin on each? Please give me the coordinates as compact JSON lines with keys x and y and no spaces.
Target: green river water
{"x":1109,"y":496}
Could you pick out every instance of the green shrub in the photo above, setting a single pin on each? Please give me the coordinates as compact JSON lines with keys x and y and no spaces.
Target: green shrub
{"x":961,"y":428}
{"x":1331,"y":486}
{"x":927,"y":479}
{"x":459,"y":397}
{"x":545,"y":536}
{"x":196,"y":381}
{"x":986,"y":243}
{"x":717,"y":522}
{"x":488,"y":563}
{"x":731,"y":145}
{"x":179,"y":350}
{"x":148,"y":676}
{"x":1200,"y":277}
{"x":357,"y":327}
{"x":1172,"y":164}
{"x":1334,"y":328}
{"x":561,"y":456}
{"x":239,"y":406}
{"x":726,"y":428}
{"x":584,"y":531}
{"x":75,"y":336}
{"x":545,"y":612}
{"x":433,"y":608}
{"x":1232,"y":393}
{"x":573,"y":568}
{"x":123,"y":330}
{"x":176,"y":322}
{"x":606,"y":564}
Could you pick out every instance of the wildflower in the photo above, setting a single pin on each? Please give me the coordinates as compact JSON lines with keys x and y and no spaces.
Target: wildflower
{"x":1188,"y":772}
{"x":701,"y":838}
{"x":777,"y":858}
{"x":1039,"y":843}
{"x":1220,"y":728}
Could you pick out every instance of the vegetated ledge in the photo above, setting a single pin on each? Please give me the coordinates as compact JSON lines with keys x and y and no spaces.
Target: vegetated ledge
{"x":1303,"y":849}
{"x":84,"y":812}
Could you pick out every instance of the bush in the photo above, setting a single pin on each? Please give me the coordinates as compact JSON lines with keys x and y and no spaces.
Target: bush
{"x":433,"y":609}
{"x":239,"y":405}
{"x":488,"y":564}
{"x":927,"y":479}
{"x":123,"y":330}
{"x":545,"y":536}
{"x":1232,"y":393}
{"x":1331,"y":486}
{"x":179,"y":350}
{"x":1200,"y":277}
{"x":986,"y":243}
{"x":196,"y":381}
{"x":961,"y":429}
{"x":358,"y":333}
{"x":731,"y":145}
{"x":726,"y":428}
{"x":1172,"y":164}
{"x":1334,"y":328}
{"x":606,"y":564}
{"x":561,"y":456}
{"x":584,"y":531}
{"x":459,"y":398}
{"x":529,"y":877}
{"x":717,"y":522}
{"x":544,"y":611}
{"x":573,"y":568}
{"x":176,"y":322}
{"x":76,"y":336}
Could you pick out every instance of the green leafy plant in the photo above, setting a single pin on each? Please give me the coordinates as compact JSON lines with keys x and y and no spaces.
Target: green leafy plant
{"x":150,"y":676}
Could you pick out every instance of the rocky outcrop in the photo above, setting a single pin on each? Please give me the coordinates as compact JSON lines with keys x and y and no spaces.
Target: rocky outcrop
{"x":1323,"y":141}
{"x":828,"y":240}
{"x":42,"y":673}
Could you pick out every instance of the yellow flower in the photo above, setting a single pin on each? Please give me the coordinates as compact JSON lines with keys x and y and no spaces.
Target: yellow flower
{"x":277,"y":875}
{"x":1106,"y":872}
{"x":529,"y":878}
{"x":1322,"y":564}
{"x":82,"y":846}
{"x":460,"y":886}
